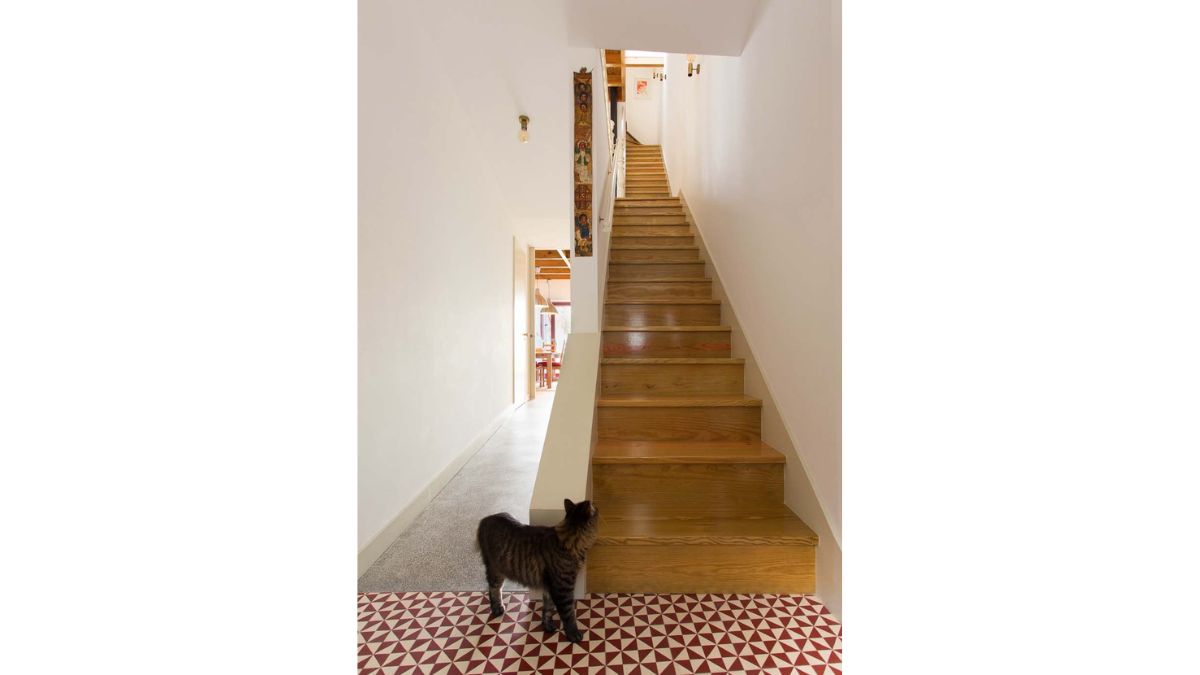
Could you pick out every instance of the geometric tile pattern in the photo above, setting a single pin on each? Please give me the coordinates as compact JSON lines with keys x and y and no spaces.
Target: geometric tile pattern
{"x":450,"y":633}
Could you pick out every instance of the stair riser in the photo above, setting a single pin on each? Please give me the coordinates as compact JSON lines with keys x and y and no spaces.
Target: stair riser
{"x":672,"y":226}
{"x":699,"y":489}
{"x":653,"y":241}
{"x":651,"y":206}
{"x":731,"y":423}
{"x":639,"y":220}
{"x":672,"y":379}
{"x":647,"y":193}
{"x":630,"y":271}
{"x":658,"y":290}
{"x":666,"y":344}
{"x":701,"y":569}
{"x":624,"y":203}
{"x":653,"y":255}
{"x":662,"y":315}
{"x":635,"y":215}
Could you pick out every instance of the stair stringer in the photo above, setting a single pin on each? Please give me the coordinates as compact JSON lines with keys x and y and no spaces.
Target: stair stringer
{"x":799,"y":495}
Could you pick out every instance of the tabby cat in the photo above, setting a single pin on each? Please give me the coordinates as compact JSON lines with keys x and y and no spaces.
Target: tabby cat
{"x":542,"y":557}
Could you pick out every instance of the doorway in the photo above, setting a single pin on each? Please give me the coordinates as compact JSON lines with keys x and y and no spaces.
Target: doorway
{"x":523,"y":314}
{"x":552,"y":315}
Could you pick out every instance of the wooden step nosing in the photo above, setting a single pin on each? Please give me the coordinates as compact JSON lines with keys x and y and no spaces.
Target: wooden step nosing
{"x":659,"y":280}
{"x":618,"y":235}
{"x":705,"y":540}
{"x":672,"y":361}
{"x":690,"y":460}
{"x":663,"y":301}
{"x":656,"y":262}
{"x":685,"y":248}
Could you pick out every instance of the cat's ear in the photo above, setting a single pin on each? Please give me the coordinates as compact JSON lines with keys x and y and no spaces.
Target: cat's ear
{"x":568,"y":505}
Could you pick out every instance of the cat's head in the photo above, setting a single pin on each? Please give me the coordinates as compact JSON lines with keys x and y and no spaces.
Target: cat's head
{"x":581,"y":515}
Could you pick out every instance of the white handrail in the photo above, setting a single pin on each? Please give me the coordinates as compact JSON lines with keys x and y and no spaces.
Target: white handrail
{"x":613,"y":186}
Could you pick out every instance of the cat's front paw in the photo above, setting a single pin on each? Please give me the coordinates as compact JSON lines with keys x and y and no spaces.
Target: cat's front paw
{"x":573,"y":635}
{"x":549,"y":625}
{"x":497,"y":612}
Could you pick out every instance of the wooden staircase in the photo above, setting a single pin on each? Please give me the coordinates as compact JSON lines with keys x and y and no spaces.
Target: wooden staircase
{"x":645,"y":173}
{"x":690,"y":498}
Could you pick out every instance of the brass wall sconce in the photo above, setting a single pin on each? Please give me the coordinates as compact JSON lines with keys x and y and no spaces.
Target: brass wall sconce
{"x":523,"y":134}
{"x":693,"y":67}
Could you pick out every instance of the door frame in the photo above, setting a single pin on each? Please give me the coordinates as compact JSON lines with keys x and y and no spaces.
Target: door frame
{"x":522,"y":308}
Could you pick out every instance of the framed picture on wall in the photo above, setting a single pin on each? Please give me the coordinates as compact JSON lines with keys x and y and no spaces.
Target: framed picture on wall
{"x":641,"y":88}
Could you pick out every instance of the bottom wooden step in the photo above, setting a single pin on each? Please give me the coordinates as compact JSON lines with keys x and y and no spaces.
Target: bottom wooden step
{"x":697,"y":555}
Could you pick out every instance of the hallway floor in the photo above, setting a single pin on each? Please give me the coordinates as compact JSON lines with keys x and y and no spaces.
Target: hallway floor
{"x":451,"y":633}
{"x":437,"y":552}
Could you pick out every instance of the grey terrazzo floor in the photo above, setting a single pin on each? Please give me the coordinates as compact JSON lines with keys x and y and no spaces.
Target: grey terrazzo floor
{"x":437,"y":552}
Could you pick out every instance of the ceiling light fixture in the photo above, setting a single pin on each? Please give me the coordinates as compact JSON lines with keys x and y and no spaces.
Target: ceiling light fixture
{"x":543,"y":300}
{"x":523,"y":134}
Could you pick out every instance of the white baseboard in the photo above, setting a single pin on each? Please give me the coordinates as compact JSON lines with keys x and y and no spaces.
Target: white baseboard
{"x":380,"y":542}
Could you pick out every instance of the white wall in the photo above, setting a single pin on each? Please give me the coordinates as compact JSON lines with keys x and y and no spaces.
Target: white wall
{"x":444,"y":187}
{"x":643,"y":116}
{"x":560,"y":289}
{"x":753,"y":143}
{"x":585,"y":287}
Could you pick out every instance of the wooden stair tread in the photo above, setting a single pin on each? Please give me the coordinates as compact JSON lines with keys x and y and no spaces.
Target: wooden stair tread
{"x":679,"y":401}
{"x":685,"y":452}
{"x":635,"y":235}
{"x":776,"y":527}
{"x":661,"y":301}
{"x":660,"y":280}
{"x":652,"y":247}
{"x":656,"y":262}
{"x":685,"y":329}
{"x":671,"y":361}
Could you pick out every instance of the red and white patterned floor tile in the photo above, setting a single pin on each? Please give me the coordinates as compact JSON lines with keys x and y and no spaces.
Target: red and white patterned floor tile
{"x":446,"y":633}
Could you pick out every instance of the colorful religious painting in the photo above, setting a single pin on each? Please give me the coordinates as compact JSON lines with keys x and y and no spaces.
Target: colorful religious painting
{"x":582,"y":150}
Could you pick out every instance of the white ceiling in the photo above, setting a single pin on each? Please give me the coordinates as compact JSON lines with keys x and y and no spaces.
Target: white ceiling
{"x":682,"y":26}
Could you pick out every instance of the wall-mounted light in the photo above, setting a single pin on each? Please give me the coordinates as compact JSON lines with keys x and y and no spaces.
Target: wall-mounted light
{"x":693,"y":67}
{"x":523,"y":134}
